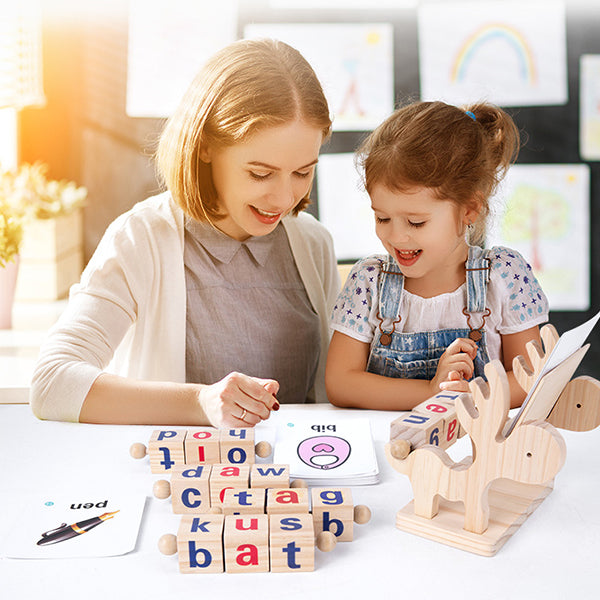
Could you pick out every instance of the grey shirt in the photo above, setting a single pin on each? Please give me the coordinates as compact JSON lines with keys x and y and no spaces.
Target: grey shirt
{"x":248,"y":311}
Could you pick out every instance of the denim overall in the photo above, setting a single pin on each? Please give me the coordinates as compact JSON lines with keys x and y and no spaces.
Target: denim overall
{"x":416,"y":355}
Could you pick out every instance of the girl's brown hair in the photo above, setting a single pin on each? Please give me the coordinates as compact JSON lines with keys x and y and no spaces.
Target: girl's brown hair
{"x":247,"y":86}
{"x":461,"y":156}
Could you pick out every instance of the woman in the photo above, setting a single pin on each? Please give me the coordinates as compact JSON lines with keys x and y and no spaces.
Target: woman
{"x":210,"y":301}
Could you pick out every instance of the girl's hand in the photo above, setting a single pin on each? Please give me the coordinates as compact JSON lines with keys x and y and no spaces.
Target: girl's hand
{"x":239,"y":400}
{"x":455,"y":366}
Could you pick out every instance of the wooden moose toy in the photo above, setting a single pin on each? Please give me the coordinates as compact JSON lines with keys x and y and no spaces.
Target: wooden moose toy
{"x":514,"y":461}
{"x":533,"y":454}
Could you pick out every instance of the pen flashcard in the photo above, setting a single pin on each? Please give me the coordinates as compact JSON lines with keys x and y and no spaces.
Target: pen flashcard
{"x":77,"y":524}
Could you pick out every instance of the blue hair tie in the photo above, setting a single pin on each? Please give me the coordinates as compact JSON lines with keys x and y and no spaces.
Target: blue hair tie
{"x":470,"y":114}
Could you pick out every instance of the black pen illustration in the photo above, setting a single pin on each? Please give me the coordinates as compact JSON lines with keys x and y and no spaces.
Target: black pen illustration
{"x":66,"y":532}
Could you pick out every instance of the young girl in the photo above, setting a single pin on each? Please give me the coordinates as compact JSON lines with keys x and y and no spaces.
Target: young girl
{"x":431,"y":313}
{"x":210,"y":301}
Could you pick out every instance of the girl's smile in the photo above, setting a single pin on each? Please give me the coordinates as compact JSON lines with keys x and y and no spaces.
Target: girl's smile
{"x":425,"y":235}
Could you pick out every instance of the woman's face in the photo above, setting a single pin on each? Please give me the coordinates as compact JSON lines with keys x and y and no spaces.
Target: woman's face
{"x":262,"y":179}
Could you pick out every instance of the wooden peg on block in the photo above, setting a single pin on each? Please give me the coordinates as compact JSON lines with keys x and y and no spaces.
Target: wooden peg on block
{"x":244,"y":501}
{"x":166,"y":450}
{"x":237,"y":446}
{"x":202,"y":446}
{"x":281,"y":501}
{"x":333,"y":510}
{"x":263,"y":449}
{"x":292,"y":543}
{"x":246,"y":543}
{"x":269,"y":476}
{"x":225,"y":476}
{"x":199,"y":544}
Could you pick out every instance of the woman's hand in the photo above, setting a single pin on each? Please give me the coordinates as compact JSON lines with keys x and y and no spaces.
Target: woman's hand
{"x":239,"y":400}
{"x":455,"y":367}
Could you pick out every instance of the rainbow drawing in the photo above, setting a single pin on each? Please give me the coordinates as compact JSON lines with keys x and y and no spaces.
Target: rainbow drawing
{"x":494,"y":31}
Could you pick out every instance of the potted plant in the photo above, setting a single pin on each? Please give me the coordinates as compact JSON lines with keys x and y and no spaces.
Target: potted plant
{"x":51,"y":252}
{"x":11,"y":234}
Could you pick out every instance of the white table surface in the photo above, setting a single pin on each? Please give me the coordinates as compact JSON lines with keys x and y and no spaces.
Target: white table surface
{"x":555,"y":554}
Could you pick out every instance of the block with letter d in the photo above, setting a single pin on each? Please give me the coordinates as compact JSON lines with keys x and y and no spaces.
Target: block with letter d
{"x":200,"y":544}
{"x":237,"y":446}
{"x":246,"y":543}
{"x":202,"y":446}
{"x":190,"y":489}
{"x":292,"y":545}
{"x":166,"y":449}
{"x":333,"y":510}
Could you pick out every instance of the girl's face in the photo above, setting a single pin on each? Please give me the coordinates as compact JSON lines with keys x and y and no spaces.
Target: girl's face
{"x":262,"y":179}
{"x":424,"y":235}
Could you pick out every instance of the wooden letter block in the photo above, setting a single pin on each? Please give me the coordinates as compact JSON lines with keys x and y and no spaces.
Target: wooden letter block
{"x":237,"y":446}
{"x":166,"y":449}
{"x":246,"y":542}
{"x":200,"y":544}
{"x":244,"y":501}
{"x":202,"y":446}
{"x":224,"y":476}
{"x":417,"y":428}
{"x":292,"y":543}
{"x":190,"y":489}
{"x":281,"y":501}
{"x":333,"y":510}
{"x":270,"y":476}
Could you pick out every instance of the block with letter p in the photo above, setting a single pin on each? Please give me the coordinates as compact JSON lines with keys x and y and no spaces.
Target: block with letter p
{"x":237,"y":446}
{"x":166,"y":449}
{"x":292,"y":543}
{"x":200,"y":544}
{"x":333,"y":510}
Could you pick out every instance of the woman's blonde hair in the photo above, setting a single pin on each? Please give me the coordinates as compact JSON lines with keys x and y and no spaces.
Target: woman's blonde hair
{"x":247,"y":86}
{"x":461,"y":153}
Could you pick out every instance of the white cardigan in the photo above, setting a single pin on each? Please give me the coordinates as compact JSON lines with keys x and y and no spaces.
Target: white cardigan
{"x":129,"y":307}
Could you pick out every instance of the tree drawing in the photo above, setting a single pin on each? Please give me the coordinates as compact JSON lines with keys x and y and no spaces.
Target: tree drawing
{"x":533,"y":214}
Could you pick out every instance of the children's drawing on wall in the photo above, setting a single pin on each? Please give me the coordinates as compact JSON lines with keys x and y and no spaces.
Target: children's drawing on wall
{"x":354,"y":62}
{"x":590,"y":107}
{"x":509,"y":53}
{"x":345,"y":207}
{"x":543,"y":212}
{"x":168,"y":43}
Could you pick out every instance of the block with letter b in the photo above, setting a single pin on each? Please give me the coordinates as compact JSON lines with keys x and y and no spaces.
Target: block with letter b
{"x":333,"y":510}
{"x":190,"y":490}
{"x":290,"y":500}
{"x":166,"y":449}
{"x":292,"y":544}
{"x":237,"y":446}
{"x":200,"y":544}
{"x":202,"y":446}
{"x":246,"y":543}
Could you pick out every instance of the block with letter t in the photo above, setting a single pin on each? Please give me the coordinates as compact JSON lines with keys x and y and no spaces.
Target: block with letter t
{"x":244,"y":501}
{"x":246,"y":543}
{"x":333,"y":510}
{"x":200,"y":544}
{"x":292,"y":543}
{"x":237,"y":446}
{"x":166,"y":449}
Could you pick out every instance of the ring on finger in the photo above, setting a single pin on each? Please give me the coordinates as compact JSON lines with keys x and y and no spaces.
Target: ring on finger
{"x":244,"y":413}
